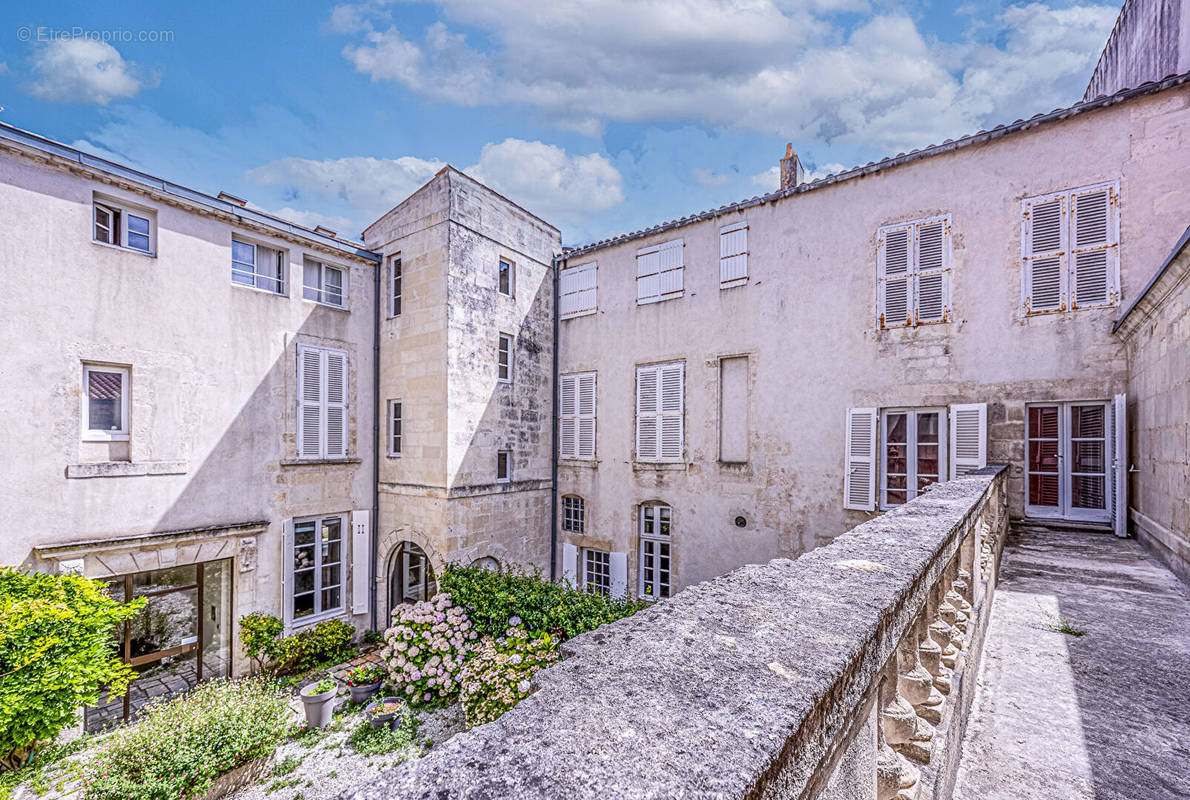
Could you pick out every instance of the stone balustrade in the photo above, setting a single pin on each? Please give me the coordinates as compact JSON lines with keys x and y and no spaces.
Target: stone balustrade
{"x":846,"y":673}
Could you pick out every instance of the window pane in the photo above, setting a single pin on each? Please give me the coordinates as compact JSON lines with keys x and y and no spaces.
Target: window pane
{"x":1043,"y":422}
{"x":159,"y":579}
{"x":896,"y":459}
{"x":303,"y":533}
{"x":1043,"y":490}
{"x":1087,"y":491}
{"x":104,"y":390}
{"x":898,"y":428}
{"x":243,"y":253}
{"x":1088,"y":457}
{"x":895,"y":498}
{"x":927,"y":459}
{"x":303,"y":606}
{"x":1043,"y":456}
{"x":1086,"y":421}
{"x":330,"y":599}
{"x":927,"y":427}
{"x":167,"y":621}
{"x":330,"y":576}
{"x":138,"y":232}
{"x":311,"y":281}
{"x":303,"y":581}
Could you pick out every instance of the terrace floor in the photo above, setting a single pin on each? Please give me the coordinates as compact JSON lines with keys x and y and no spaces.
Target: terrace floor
{"x":1102,"y":715}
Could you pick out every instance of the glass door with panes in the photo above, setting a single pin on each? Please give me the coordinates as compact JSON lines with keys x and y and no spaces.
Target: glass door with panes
{"x":914,"y":447}
{"x":1068,"y":453}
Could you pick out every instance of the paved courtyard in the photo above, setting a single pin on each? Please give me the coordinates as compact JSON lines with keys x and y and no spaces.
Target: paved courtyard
{"x":1103,"y":715}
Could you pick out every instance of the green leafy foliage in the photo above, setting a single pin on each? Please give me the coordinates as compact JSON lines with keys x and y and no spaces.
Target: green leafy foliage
{"x":56,"y":654}
{"x":327,"y":642}
{"x":493,"y":598}
{"x":425,"y":649}
{"x":369,"y":741}
{"x":180,"y":746}
{"x":496,"y":677}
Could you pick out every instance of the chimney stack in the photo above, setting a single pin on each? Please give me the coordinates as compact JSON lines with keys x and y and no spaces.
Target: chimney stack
{"x":791,"y":169}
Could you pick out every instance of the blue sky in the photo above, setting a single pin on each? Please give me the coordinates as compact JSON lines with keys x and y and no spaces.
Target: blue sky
{"x":601,"y":116}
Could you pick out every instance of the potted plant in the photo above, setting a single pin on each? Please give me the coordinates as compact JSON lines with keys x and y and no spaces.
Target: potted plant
{"x":364,"y":681}
{"x":319,"y":701}
{"x":383,"y":711}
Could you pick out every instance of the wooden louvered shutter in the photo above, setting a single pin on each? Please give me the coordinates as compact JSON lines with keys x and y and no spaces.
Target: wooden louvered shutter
{"x":577,"y":291}
{"x":859,"y":468}
{"x":361,"y":554}
{"x":1093,"y":238}
{"x":1119,"y":465}
{"x":933,"y":271}
{"x":618,"y":563}
{"x":647,"y":421}
{"x":648,"y":283}
{"x":670,"y":269}
{"x":569,"y":564}
{"x":1044,"y":243}
{"x":567,"y":423}
{"x":336,"y":404}
{"x":968,"y":438}
{"x":893,"y":255}
{"x":310,"y":380}
{"x":671,"y":407}
{"x":733,"y":255}
{"x":585,"y":412}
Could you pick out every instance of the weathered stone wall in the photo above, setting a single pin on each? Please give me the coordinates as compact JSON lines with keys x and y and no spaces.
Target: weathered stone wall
{"x":845,"y":673}
{"x":807,"y":321}
{"x":212,"y":451}
{"x":1151,"y":40}
{"x":1157,"y":331}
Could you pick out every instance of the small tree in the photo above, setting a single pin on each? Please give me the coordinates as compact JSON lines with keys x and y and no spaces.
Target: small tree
{"x":55,"y":655}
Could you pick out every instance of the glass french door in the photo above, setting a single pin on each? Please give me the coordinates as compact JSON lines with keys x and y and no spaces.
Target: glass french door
{"x":914,"y":453}
{"x":1068,"y":455}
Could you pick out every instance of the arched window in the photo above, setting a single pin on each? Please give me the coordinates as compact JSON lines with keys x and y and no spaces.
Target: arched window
{"x":574,"y":514}
{"x":487,"y":563}
{"x":655,"y":550}
{"x":412,"y":577}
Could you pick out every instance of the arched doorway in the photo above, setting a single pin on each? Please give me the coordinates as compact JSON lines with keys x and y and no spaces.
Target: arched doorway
{"x":411,"y":578}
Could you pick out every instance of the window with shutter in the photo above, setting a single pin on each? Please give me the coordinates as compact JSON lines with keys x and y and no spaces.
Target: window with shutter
{"x":859,"y":468}
{"x":1070,"y":249}
{"x":322,"y":402}
{"x":913,"y":265}
{"x":576,"y":422}
{"x":577,"y":291}
{"x":913,"y":453}
{"x":733,"y":255}
{"x":659,"y":272}
{"x":968,"y":438}
{"x":660,"y":412}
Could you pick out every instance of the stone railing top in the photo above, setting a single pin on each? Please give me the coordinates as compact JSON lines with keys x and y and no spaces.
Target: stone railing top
{"x":701,"y":695}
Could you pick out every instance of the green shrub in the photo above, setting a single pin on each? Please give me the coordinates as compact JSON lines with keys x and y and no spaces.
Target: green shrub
{"x":496,"y":677}
{"x":426,"y":648}
{"x":493,"y":598}
{"x":180,"y":746}
{"x":326,"y":643}
{"x":56,"y":654}
{"x":369,"y":741}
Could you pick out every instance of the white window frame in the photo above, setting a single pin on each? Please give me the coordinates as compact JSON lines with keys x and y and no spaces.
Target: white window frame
{"x":578,"y":291}
{"x":596,"y":572}
{"x":396,"y":428}
{"x":253,"y":269}
{"x":319,"y":294}
{"x":729,"y":276}
{"x":117,"y":226}
{"x":504,"y":357}
{"x":120,"y":435}
{"x":319,"y":612}
{"x":651,"y":278}
{"x":503,"y":260}
{"x":396,"y":286}
{"x":576,"y":513}
{"x":650,"y":546}
{"x":573,"y":418}
{"x":911,"y":490}
{"x":661,"y":416}
{"x":504,"y":456}
{"x":914,"y":273}
{"x":1066,"y":264}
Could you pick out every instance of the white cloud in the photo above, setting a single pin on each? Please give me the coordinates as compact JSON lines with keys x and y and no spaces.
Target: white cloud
{"x":708,"y":177}
{"x":769,"y":180}
{"x":779,"y":67}
{"x":542,"y":178}
{"x":85,"y":71}
{"x":312,"y":219}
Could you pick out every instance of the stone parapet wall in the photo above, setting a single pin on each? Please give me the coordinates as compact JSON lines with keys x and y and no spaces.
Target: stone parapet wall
{"x":845,"y":673}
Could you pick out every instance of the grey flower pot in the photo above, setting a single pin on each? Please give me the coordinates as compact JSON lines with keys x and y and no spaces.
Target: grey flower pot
{"x":383,"y":720}
{"x":319,"y":707}
{"x":361,"y":693}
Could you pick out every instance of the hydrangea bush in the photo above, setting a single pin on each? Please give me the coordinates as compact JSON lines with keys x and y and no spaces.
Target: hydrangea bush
{"x":425,"y":649}
{"x":496,"y":677}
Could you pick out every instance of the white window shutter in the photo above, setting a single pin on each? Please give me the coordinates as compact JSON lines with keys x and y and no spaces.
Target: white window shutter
{"x":336,"y":404}
{"x":671,"y":268}
{"x":893,"y":254}
{"x":647,"y":434}
{"x":733,"y":254}
{"x":671,"y":408}
{"x":361,"y":555}
{"x":567,"y":423}
{"x":1119,"y":493}
{"x":585,"y":410}
{"x":310,"y":392}
{"x":859,"y":473}
{"x":968,"y":438}
{"x":577,"y":291}
{"x":1044,"y":245}
{"x":619,"y":575}
{"x":648,"y":284}
{"x":933,"y":275}
{"x":287,"y":575}
{"x":569,"y":564}
{"x":1092,"y":234}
